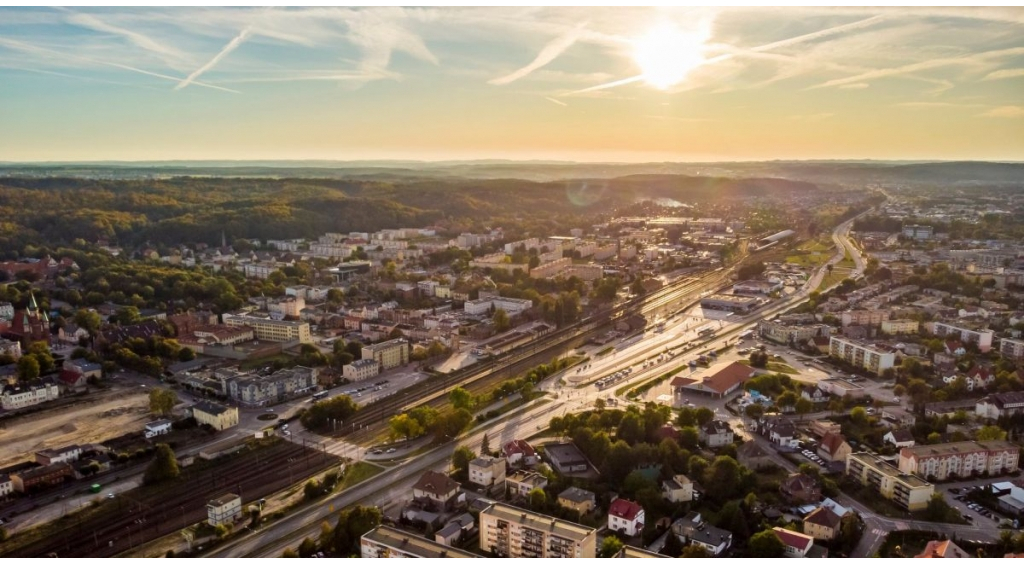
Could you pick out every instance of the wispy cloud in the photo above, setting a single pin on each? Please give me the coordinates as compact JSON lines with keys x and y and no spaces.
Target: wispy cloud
{"x":966,"y":60}
{"x":231,"y":46}
{"x":555,"y":101}
{"x":1004,"y":112}
{"x":138,"y":39}
{"x":855,"y":86}
{"x":549,"y":53}
{"x":1005,"y":73}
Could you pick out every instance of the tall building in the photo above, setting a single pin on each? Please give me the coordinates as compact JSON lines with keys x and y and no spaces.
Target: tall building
{"x":906,"y":490}
{"x":983,"y":337}
{"x":510,"y":532}
{"x":388,"y":542}
{"x":861,"y":354}
{"x":273,"y":330}
{"x":963,"y":459}
{"x":389,"y":354}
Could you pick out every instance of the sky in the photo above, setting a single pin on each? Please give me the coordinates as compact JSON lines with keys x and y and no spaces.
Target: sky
{"x":586,"y":84}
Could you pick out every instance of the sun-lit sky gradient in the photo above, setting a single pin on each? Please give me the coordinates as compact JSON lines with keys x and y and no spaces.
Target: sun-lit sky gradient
{"x":549,"y":83}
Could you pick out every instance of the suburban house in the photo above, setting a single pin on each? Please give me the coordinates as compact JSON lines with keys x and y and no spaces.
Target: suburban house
{"x":715,"y":434}
{"x":942,"y":549}
{"x":455,"y":530}
{"x":626,"y":517}
{"x":521,"y":482}
{"x":436,"y":490}
{"x":800,"y":488}
{"x":822,"y":524}
{"x":519,"y":452}
{"x":900,"y":438}
{"x":752,"y":455}
{"x":693,"y":529}
{"x":778,"y":430}
{"x":834,"y":448}
{"x":578,"y":499}
{"x":158,"y":427}
{"x":677,"y":490}
{"x":487,"y":471}
{"x":798,"y":545}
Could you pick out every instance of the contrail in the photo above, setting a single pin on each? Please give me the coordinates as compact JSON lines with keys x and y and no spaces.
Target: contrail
{"x":630,"y":80}
{"x":549,"y":53}
{"x":231,"y":46}
{"x":555,"y":101}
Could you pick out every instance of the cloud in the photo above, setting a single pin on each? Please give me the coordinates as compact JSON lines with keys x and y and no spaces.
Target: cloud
{"x":855,"y":86}
{"x":967,"y":60}
{"x":555,"y":101}
{"x":231,"y":46}
{"x":1004,"y":112}
{"x":549,"y":53}
{"x":1006,"y":73}
{"x":140,"y":40}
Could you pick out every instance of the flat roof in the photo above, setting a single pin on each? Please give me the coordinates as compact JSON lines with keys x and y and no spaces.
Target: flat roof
{"x":223,"y":500}
{"x":962,"y":447}
{"x":730,"y":298}
{"x":564,"y":529}
{"x":884,"y":467}
{"x":413,"y":544}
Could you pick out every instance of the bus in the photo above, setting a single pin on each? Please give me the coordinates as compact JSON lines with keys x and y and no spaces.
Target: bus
{"x":745,"y":334}
{"x":706,"y":332}
{"x":320,"y":395}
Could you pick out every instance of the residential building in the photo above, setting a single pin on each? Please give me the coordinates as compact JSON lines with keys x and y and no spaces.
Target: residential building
{"x":359,"y":370}
{"x":436,"y":490}
{"x":861,"y":354}
{"x":715,"y":433}
{"x":218,"y":416}
{"x":455,"y":530}
{"x":40,"y":477}
{"x":800,"y":488}
{"x":274,"y":330}
{"x":960,"y":460}
{"x":863,"y":317}
{"x":12,"y":348}
{"x":1013,"y":348}
{"x":983,"y":337}
{"x":156,"y":428}
{"x":822,"y":524}
{"x":677,"y":490}
{"x":900,"y":438}
{"x":521,"y":482}
{"x":389,"y":542}
{"x":566,"y":458}
{"x":780,"y":332}
{"x":626,"y":517}
{"x":834,"y":448}
{"x":942,"y":549}
{"x":754,"y":456}
{"x":1000,"y":405}
{"x":900,"y":326}
{"x":510,"y":532}
{"x":797,"y":544}
{"x":906,"y":490}
{"x":68,"y":454}
{"x":634,"y":552}
{"x":257,"y":390}
{"x":694,"y":529}
{"x":224,"y":510}
{"x":26,"y":396}
{"x":487,"y":471}
{"x":519,"y":452}
{"x":578,"y":499}
{"x":389,"y":354}
{"x":6,"y":486}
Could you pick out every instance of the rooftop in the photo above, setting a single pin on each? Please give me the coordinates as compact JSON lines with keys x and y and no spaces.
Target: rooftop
{"x":875,"y":462}
{"x":414,"y":544}
{"x":962,"y":447}
{"x":224,"y":500}
{"x":536,"y":521}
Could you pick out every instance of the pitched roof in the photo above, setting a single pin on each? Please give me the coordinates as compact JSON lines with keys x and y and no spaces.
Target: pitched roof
{"x":823,"y":517}
{"x":518,"y":446}
{"x":734,"y":373}
{"x":435,"y":482}
{"x":577,"y":495}
{"x":798,"y":541}
{"x":832,"y":442}
{"x":679,"y":381}
{"x":902,"y":435}
{"x":797,"y":482}
{"x":751,"y":449}
{"x":942,"y":549}
{"x":625,"y":509}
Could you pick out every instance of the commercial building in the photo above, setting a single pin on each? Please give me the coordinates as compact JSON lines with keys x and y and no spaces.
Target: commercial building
{"x":26,"y":396}
{"x":389,"y":354}
{"x":274,"y":330}
{"x":900,"y":326}
{"x":68,"y":454}
{"x":224,"y":510}
{"x":983,"y":337}
{"x":960,"y":460}
{"x":361,"y":369}
{"x":388,"y":542}
{"x":257,"y":390}
{"x":1013,"y":348}
{"x":861,"y":354}
{"x":728,"y":302}
{"x":722,"y":380}
{"x":906,"y":490}
{"x":219,"y":417}
{"x":780,"y":332}
{"x":510,"y":532}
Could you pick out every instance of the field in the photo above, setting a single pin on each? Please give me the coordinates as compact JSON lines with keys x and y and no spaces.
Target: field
{"x":811,"y":254}
{"x":112,"y":417}
{"x":829,"y":280}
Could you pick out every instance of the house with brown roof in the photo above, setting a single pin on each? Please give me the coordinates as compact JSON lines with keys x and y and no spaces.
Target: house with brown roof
{"x":722,"y":381}
{"x":436,"y":490}
{"x":942,"y":549}
{"x":822,"y":524}
{"x":834,"y":448}
{"x":800,"y":488}
{"x":752,"y":455}
{"x":518,"y":451}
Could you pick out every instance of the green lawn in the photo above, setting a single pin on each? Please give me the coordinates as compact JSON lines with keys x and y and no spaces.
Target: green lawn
{"x":829,"y":280}
{"x":359,"y":472}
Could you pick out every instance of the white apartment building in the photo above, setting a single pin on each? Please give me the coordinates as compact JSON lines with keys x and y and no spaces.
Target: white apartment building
{"x":507,"y":531}
{"x":361,"y":369}
{"x":861,"y":354}
{"x":259,"y":390}
{"x":6,"y":310}
{"x":389,"y":354}
{"x":261,"y":270}
{"x":864,"y":317}
{"x":1013,"y":348}
{"x":388,"y":542}
{"x":900,"y":326}
{"x":487,"y":471}
{"x":983,"y":337}
{"x":266,"y":329}
{"x":288,"y":306}
{"x":962,"y":459}
{"x":17,"y":398}
{"x":331,"y":250}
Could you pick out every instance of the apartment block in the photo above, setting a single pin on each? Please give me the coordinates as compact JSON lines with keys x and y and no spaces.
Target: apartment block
{"x":960,"y":460}
{"x":389,"y":354}
{"x":861,"y":354}
{"x":1000,"y":405}
{"x":510,"y":532}
{"x":273,"y":330}
{"x":549,"y":269}
{"x":783,"y":333}
{"x":983,"y":337}
{"x":388,"y":542}
{"x":224,"y":510}
{"x":362,"y":369}
{"x":1013,"y":348}
{"x":906,"y":490}
{"x":900,"y":326}
{"x":258,"y":390}
{"x":864,"y":317}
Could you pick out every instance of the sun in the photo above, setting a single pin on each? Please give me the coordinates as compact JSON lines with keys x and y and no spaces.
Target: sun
{"x":667,"y":54}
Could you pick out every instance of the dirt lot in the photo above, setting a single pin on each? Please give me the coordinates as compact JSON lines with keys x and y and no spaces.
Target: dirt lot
{"x":92,"y":423}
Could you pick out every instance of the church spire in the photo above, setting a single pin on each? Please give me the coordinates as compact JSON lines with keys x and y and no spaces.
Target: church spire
{"x":32,"y":305}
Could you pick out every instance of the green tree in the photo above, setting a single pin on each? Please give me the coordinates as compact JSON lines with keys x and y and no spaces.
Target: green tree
{"x":501,"y":320}
{"x":403,"y":425}
{"x":28,"y":368}
{"x":289,"y":553}
{"x":538,"y":499}
{"x":163,"y":467}
{"x":326,"y":414}
{"x":692,"y":551}
{"x":485,"y":446}
{"x":859,"y":416}
{"x":461,"y":459}
{"x":991,"y":433}
{"x":631,"y":428}
{"x":686,"y":417}
{"x":352,"y":524}
{"x":787,"y":399}
{"x":704,"y":416}
{"x":803,"y":407}
{"x":934,"y":438}
{"x":689,"y":437}
{"x":161,"y":401}
{"x":754,"y":411}
{"x":899,"y":390}
{"x":307,"y":548}
{"x":450,"y":425}
{"x":128,"y":315}
{"x":725,"y":474}
{"x":765,"y":544}
{"x":460,"y":398}
{"x":673,"y":548}
{"x":88,"y":320}
{"x":610,"y":546}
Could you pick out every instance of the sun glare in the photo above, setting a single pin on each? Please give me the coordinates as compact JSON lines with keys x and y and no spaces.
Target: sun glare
{"x":667,"y":54}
